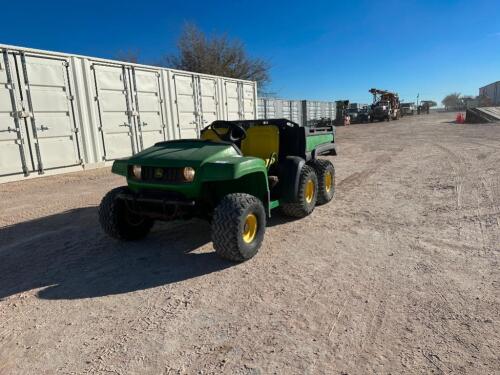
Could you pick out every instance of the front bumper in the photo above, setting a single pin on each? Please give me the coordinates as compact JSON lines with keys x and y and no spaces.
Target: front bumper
{"x":158,"y":205}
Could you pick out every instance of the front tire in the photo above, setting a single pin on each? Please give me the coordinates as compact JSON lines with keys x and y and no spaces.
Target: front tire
{"x":326,"y":180}
{"x":306,"y":197}
{"x":238,"y":226}
{"x":118,"y":221}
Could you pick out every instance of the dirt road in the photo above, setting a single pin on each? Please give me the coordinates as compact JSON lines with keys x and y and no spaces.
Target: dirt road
{"x":400,"y":274}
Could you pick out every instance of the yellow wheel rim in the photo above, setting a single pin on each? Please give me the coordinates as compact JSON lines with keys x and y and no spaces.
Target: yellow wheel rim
{"x":309,"y":191}
{"x":250,"y":228}
{"x":328,"y":181}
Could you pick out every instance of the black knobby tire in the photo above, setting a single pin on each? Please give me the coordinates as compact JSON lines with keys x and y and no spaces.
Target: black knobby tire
{"x":228,"y":226}
{"x":301,"y":207}
{"x":324,"y":169}
{"x":118,"y":222}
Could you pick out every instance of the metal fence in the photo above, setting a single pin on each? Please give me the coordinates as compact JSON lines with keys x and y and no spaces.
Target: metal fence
{"x":62,"y":112}
{"x":303,"y":112}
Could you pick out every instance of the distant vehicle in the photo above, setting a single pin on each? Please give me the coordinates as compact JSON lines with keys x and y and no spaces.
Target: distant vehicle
{"x":385,"y":106}
{"x":425,"y":106}
{"x":364,"y":115}
{"x":408,"y":109}
{"x":341,"y":108}
{"x":353,"y":113}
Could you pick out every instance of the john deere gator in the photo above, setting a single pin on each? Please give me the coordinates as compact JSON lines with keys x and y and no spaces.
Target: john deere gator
{"x":234,"y":176}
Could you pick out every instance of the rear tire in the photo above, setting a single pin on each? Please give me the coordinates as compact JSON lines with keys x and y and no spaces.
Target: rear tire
{"x":326,"y":180}
{"x":306,"y":198}
{"x":238,"y":227}
{"x":118,"y":221}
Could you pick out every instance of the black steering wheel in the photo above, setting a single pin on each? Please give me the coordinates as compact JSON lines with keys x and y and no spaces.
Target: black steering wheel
{"x":235,"y":132}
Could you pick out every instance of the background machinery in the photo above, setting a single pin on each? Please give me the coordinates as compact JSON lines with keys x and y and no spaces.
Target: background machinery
{"x":385,"y":105}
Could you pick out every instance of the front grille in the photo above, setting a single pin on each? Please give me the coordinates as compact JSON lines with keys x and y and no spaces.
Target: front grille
{"x":166,"y":175}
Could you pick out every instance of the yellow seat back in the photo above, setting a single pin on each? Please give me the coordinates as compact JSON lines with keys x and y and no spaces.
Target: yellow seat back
{"x":209,"y":134}
{"x":262,"y":142}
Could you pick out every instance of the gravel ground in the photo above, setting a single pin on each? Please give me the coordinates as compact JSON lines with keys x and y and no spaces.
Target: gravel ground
{"x":399,"y":274}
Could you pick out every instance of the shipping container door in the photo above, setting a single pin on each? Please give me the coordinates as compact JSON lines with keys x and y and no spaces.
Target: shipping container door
{"x":232,"y":100}
{"x":248,"y":96}
{"x":47,"y":92}
{"x":14,"y":149}
{"x":116,"y":118}
{"x":269,"y":108}
{"x":295,"y":111}
{"x":208,"y":100}
{"x":186,"y":107}
{"x":261,"y":108}
{"x":148,"y":103}
{"x":291,"y":110}
{"x":287,"y":113}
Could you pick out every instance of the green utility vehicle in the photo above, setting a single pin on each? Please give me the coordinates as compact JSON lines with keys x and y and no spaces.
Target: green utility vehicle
{"x":233,"y":176}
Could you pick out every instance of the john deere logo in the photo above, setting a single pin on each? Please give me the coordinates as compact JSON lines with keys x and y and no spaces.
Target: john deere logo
{"x":158,"y":172}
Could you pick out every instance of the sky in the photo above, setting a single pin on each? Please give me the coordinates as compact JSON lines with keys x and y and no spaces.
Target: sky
{"x":318,"y":50}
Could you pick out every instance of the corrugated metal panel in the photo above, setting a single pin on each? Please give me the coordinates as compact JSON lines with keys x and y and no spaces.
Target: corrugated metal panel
{"x":60,"y":111}
{"x":280,"y":108}
{"x":317,"y":110}
{"x":303,"y":112}
{"x":492,"y":91}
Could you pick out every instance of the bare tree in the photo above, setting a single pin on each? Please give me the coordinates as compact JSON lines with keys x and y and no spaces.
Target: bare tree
{"x":128,"y":55}
{"x":217,"y":55}
{"x":452,"y":101}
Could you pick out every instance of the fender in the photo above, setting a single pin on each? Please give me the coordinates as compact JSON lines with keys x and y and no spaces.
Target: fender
{"x":290,"y":176}
{"x":328,"y":148}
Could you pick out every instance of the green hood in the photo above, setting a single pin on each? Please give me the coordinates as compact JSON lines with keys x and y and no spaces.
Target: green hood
{"x":181,"y":153}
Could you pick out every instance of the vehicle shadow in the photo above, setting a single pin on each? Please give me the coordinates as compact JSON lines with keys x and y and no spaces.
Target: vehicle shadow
{"x":68,"y":256}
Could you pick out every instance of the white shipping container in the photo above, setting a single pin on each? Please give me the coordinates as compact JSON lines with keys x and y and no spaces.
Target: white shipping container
{"x":280,"y":108}
{"x":61,"y":112}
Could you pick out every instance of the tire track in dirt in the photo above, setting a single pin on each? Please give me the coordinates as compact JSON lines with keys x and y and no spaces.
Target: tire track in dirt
{"x":485,"y":224}
{"x":358,"y":178}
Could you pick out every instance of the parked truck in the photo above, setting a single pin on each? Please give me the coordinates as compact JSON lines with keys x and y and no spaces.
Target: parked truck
{"x":385,"y":105}
{"x":407,"y":109}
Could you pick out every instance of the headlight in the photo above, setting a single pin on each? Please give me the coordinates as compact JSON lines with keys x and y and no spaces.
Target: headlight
{"x":188,"y":174}
{"x":136,"y":171}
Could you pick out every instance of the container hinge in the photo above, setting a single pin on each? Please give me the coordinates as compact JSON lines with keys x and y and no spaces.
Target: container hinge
{"x":10,"y":129}
{"x":40,"y":168}
{"x":75,"y":130}
{"x":71,"y":97}
{"x":66,"y":64}
{"x":21,"y":114}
